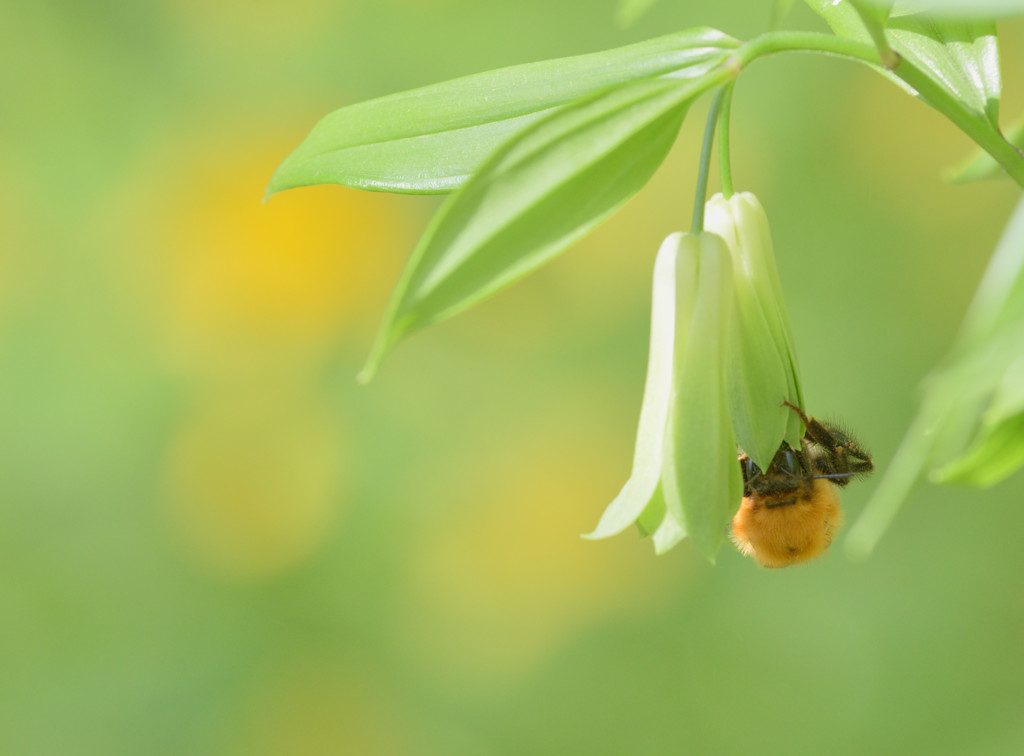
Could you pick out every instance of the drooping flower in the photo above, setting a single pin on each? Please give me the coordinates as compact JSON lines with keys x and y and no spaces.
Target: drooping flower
{"x":721,"y":364}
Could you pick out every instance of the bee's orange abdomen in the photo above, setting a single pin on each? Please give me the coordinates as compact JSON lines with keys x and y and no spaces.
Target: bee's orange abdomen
{"x":790,"y":533}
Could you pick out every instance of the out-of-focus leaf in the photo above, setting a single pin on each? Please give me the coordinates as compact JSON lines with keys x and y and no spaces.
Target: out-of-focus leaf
{"x":780,"y":10}
{"x":996,"y":453}
{"x":842,"y":17}
{"x":628,"y":12}
{"x":1008,"y":400}
{"x":960,"y":55}
{"x":701,"y":480}
{"x":430,"y":140}
{"x":645,"y":476}
{"x":978,"y":9}
{"x":998,"y":304}
{"x":969,"y":427}
{"x":533,"y":198}
{"x":981,"y":166}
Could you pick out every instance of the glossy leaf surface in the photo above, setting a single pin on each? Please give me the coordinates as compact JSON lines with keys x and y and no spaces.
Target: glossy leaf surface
{"x":532,"y":199}
{"x":960,"y":55}
{"x":430,"y":140}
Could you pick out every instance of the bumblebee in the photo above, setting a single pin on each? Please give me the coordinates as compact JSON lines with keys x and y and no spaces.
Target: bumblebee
{"x":790,"y":511}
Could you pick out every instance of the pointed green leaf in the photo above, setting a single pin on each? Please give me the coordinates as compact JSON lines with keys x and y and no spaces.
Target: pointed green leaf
{"x":971,"y":395}
{"x":970,"y":402}
{"x":998,"y":304}
{"x":533,"y":198}
{"x":1008,"y":400}
{"x":647,"y":460}
{"x":996,"y":453}
{"x":430,"y":140}
{"x":701,"y":479}
{"x":780,"y":10}
{"x":959,"y":55}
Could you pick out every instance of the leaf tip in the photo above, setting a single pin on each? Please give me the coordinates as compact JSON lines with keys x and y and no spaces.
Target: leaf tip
{"x":276,"y":183}
{"x":386,"y":338}
{"x":369,"y":371}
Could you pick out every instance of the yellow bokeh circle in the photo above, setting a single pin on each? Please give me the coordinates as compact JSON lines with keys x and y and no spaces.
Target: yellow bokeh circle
{"x":250,"y":282}
{"x":253,"y":482}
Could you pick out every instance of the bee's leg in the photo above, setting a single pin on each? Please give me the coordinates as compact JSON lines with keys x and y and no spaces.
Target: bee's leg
{"x":815,"y":430}
{"x":797,"y":410}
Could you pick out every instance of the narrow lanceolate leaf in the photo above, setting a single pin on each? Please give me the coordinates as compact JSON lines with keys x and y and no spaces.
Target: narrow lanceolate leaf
{"x":1008,"y":400}
{"x":998,"y":304}
{"x":960,"y":55}
{"x":970,"y":426}
{"x":701,"y":480}
{"x":430,"y":140}
{"x":646,"y":474}
{"x":996,"y":453}
{"x":533,"y":198}
{"x":780,"y":9}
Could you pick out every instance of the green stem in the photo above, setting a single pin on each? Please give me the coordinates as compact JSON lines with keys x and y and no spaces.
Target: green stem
{"x":705,"y":163}
{"x":877,"y":31}
{"x":900,"y":478}
{"x":799,"y":41}
{"x":976,"y":127}
{"x":725,"y":143}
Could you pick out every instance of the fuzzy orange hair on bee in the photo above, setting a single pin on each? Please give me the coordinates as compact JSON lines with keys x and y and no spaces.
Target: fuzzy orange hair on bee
{"x":790,"y":511}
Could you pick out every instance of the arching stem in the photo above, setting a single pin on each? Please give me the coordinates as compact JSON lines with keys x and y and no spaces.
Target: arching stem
{"x":705,"y":163}
{"x":724,"y":142}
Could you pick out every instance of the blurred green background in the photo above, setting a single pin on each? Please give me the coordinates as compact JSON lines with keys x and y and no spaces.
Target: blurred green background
{"x":212,"y":541}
